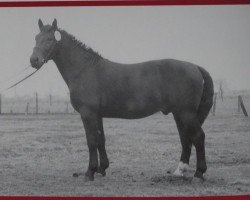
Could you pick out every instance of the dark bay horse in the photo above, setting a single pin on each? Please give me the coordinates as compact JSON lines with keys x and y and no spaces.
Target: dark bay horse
{"x":101,"y":88}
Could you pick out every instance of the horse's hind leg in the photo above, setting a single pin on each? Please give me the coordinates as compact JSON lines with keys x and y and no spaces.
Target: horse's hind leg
{"x":186,"y":148}
{"x":193,"y":131}
{"x":104,"y":162}
{"x":90,"y":121}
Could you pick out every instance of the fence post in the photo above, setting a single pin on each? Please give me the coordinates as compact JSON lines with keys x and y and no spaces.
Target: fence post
{"x":214,"y":104}
{"x":0,"y":104}
{"x":50,"y":103}
{"x":68,"y":102}
{"x":67,"y":107}
{"x":240,"y":102}
{"x":27,"y":109}
{"x":221,"y":92}
{"x":36,"y":103}
{"x":50,"y":100}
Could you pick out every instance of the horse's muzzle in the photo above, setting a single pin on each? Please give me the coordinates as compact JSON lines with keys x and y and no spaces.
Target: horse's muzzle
{"x":36,"y":63}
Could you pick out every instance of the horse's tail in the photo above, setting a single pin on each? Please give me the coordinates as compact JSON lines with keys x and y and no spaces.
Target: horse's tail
{"x":206,"y":102}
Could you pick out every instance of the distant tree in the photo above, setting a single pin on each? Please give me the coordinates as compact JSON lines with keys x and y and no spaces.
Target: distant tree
{"x":220,"y":87}
{"x":221,"y":92}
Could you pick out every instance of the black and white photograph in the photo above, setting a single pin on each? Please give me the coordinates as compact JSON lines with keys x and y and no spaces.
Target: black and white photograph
{"x":125,"y":101}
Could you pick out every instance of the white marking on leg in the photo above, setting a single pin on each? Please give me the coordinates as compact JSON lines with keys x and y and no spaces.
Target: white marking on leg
{"x":182,"y":167}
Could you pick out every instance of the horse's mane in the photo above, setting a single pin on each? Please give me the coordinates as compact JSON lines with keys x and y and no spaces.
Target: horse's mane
{"x":81,"y":45}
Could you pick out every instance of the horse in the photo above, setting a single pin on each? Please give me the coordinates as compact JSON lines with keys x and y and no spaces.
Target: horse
{"x":100,"y":88}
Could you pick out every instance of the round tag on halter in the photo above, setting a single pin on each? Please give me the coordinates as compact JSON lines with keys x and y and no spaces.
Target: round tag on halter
{"x":58,"y":36}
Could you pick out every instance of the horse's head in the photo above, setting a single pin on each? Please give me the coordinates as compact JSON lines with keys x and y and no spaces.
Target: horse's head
{"x":46,"y":43}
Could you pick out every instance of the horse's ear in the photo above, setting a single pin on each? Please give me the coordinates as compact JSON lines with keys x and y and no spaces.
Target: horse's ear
{"x":54,"y":24}
{"x":40,"y":24}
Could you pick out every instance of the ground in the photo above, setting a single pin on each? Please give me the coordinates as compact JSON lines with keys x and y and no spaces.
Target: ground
{"x":40,"y":153}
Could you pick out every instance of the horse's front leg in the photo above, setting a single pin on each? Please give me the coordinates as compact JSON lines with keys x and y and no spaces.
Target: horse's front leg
{"x":104,"y":162}
{"x":90,"y":121}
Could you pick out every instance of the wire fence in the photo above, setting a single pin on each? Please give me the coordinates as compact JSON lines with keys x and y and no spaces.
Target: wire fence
{"x":34,"y":104}
{"x":237,"y":103}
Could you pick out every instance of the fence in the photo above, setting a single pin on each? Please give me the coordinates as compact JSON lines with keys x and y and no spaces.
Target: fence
{"x":34,"y":104}
{"x":232,"y":104}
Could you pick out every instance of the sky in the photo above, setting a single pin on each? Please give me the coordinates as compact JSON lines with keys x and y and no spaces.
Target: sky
{"x":214,"y":37}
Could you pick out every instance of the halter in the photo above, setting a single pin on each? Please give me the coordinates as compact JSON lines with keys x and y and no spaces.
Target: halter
{"x":45,"y":60}
{"x":49,"y":54}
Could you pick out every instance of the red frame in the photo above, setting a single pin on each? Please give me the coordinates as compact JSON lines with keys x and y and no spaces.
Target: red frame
{"x":238,"y":197}
{"x":122,"y":3}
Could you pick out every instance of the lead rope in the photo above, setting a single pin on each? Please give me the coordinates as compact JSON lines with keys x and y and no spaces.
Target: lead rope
{"x":21,"y":80}
{"x":44,"y":61}
{"x":16,"y":74}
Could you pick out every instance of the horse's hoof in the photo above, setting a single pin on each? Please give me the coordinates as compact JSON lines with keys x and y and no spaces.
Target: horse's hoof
{"x":196,"y":180}
{"x":178,"y":173}
{"x":102,"y":172}
{"x":89,"y":176}
{"x":181,"y":169}
{"x":77,"y":174}
{"x":199,"y":175}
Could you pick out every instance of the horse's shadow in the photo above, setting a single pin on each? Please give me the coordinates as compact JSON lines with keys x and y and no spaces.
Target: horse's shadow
{"x":171,"y":179}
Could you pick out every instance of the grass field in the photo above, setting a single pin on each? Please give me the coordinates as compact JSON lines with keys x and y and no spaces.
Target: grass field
{"x":39,"y":154}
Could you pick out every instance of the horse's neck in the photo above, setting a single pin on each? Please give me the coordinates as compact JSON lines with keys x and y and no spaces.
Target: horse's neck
{"x":71,"y":59}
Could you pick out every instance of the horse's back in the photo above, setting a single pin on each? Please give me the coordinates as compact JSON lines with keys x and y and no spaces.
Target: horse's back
{"x":129,"y":90}
{"x":150,"y":86}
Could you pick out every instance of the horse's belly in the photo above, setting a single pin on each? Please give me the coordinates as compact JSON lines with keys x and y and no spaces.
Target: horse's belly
{"x":127,"y":114}
{"x":130,"y":111}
